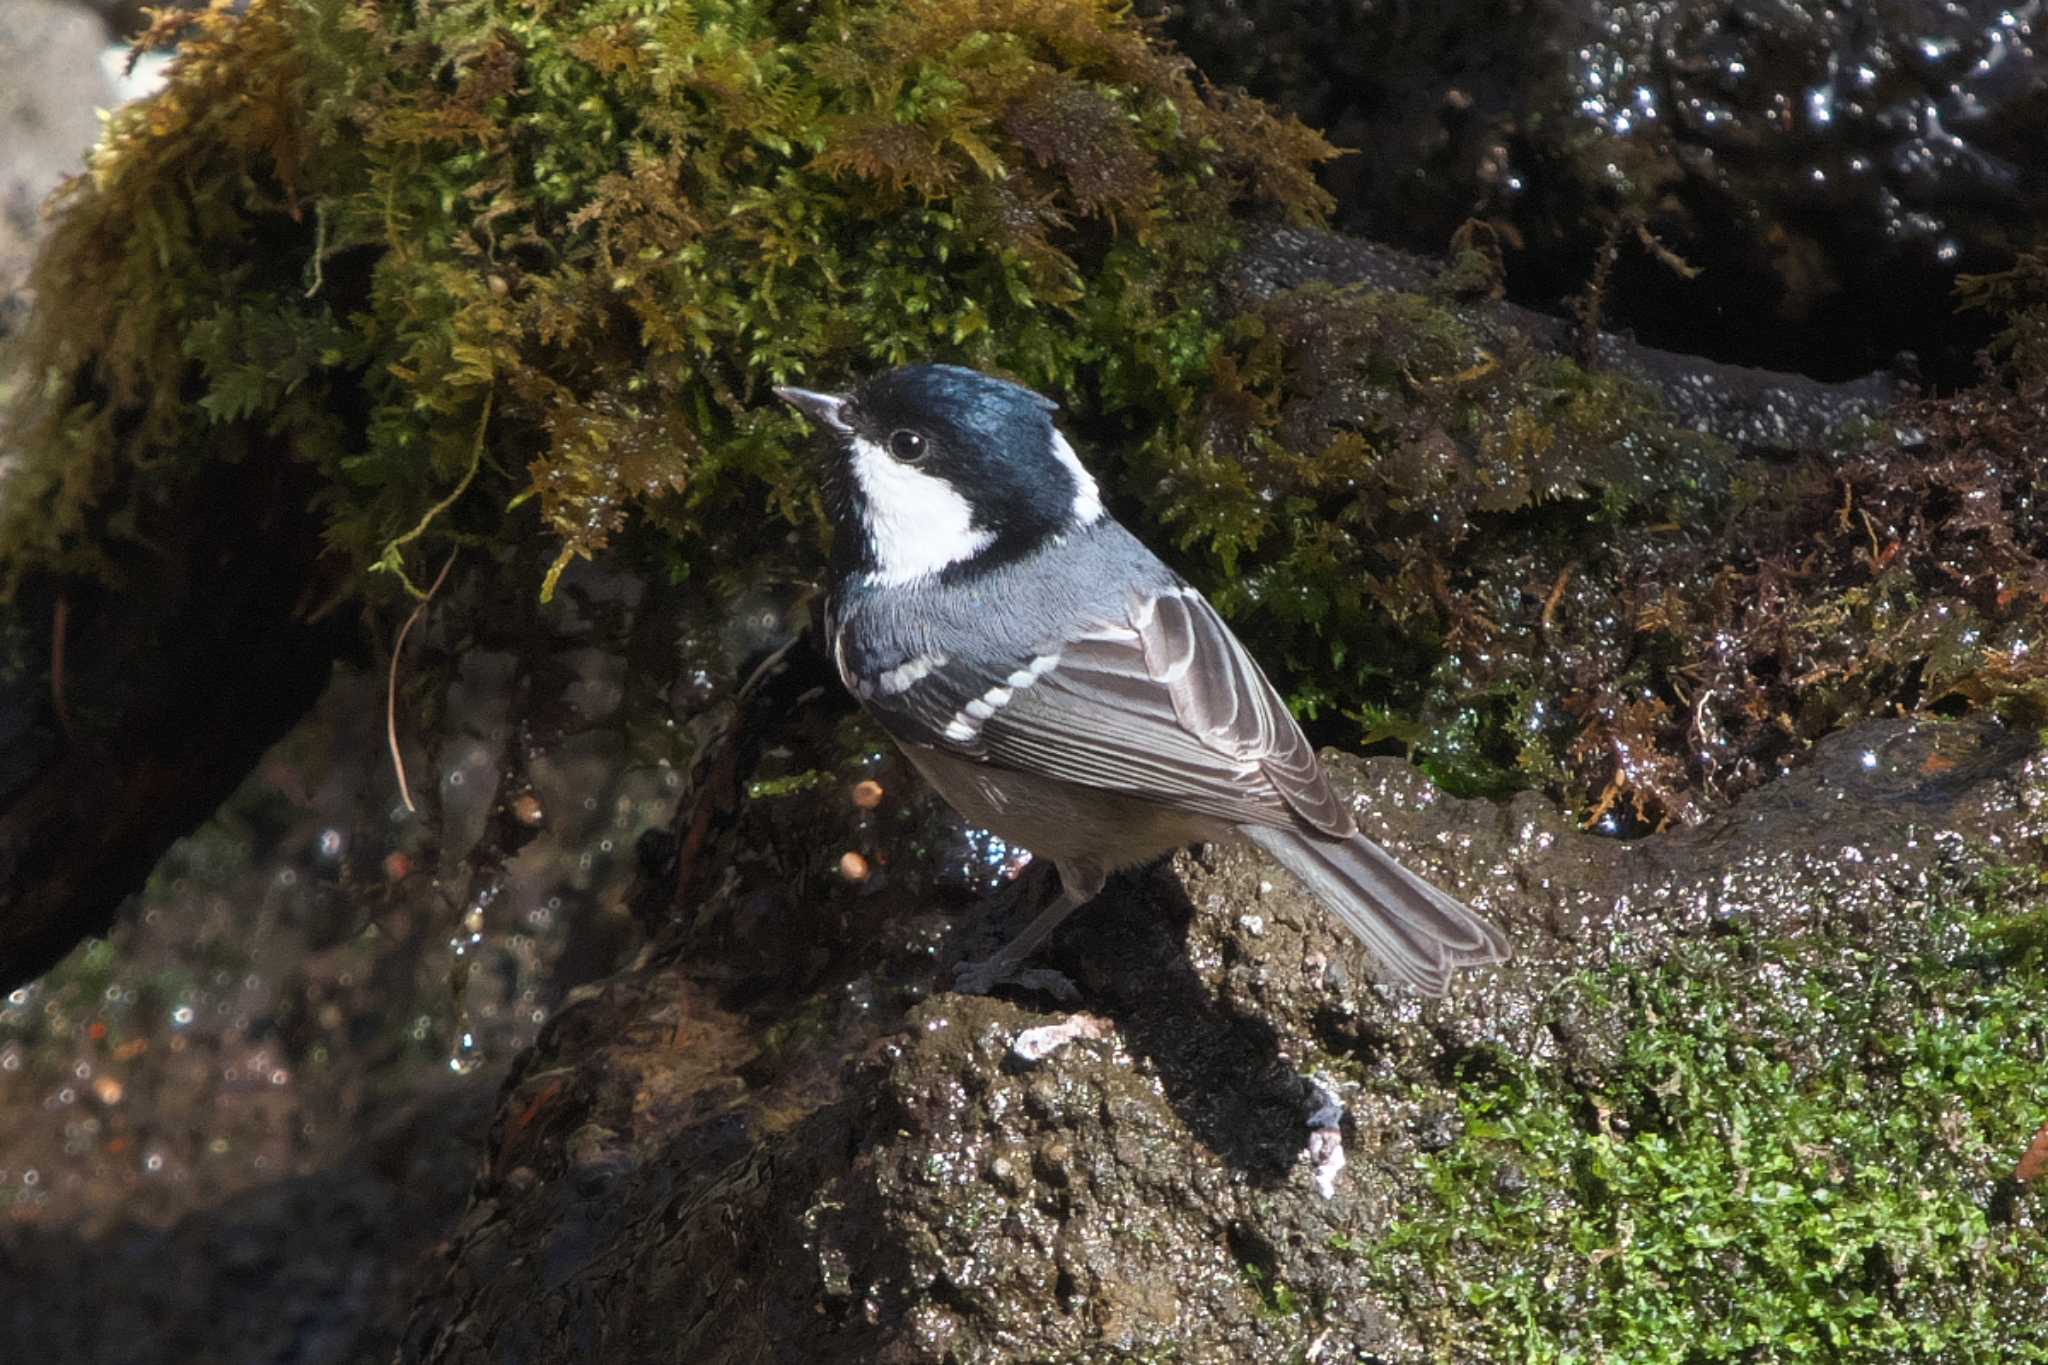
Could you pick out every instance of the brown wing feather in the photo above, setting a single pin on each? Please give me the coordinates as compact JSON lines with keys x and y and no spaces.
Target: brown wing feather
{"x":1221,"y":696}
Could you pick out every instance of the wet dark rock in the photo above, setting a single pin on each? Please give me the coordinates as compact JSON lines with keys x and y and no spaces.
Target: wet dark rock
{"x":1755,"y":411}
{"x":775,"y":1137}
{"x":1649,"y":585}
{"x":242,"y":1117}
{"x":898,"y":1188}
{"x":1829,"y":168}
{"x":137,"y":711}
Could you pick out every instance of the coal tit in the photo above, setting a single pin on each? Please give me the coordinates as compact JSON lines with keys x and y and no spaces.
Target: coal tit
{"x":1059,"y":685}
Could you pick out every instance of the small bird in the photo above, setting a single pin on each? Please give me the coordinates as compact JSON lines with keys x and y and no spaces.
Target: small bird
{"x":1062,"y":687}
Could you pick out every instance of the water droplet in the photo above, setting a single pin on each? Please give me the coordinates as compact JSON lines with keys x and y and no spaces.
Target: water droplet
{"x":467,"y":1056}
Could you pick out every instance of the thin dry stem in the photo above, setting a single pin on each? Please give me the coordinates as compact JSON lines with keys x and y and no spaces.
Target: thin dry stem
{"x":391,"y":685}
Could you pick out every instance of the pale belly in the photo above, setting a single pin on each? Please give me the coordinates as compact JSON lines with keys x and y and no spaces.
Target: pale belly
{"x":1078,"y":827}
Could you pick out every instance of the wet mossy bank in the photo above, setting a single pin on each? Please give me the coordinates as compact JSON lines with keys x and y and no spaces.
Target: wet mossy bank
{"x":1752,"y":1091}
{"x":384,"y":285}
{"x":508,"y":283}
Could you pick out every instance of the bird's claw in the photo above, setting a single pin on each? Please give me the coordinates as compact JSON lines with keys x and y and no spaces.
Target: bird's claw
{"x":982,"y":978}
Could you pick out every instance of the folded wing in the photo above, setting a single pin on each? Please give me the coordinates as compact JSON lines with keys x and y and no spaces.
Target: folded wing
{"x":1162,"y":704}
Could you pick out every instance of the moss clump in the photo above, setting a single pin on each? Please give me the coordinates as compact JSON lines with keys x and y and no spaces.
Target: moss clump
{"x":552,"y":255}
{"x":1357,"y":454}
{"x":1530,"y":575}
{"x":2019,"y":296}
{"x":1819,"y":1168}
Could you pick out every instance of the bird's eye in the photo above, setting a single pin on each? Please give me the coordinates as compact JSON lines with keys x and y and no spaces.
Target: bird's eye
{"x":906,"y":445}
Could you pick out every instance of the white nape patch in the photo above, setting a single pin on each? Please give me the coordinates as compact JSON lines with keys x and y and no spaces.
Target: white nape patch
{"x":1087,"y":497}
{"x":917,"y":523}
{"x":905,"y":676}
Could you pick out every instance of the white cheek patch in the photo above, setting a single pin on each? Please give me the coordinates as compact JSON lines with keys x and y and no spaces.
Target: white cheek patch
{"x":918,"y":523}
{"x":1087,"y":497}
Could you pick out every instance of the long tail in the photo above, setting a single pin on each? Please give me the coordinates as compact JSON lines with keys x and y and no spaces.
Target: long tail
{"x":1419,"y":934}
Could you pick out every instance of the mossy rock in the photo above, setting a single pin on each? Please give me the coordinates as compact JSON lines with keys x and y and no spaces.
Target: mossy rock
{"x":1753,"y":1091}
{"x":477,"y":261}
{"x":518,"y":279}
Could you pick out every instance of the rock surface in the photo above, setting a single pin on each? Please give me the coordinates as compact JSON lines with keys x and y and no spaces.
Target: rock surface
{"x":1792,"y":1051}
{"x":1827,"y":167}
{"x":887,"y":1181}
{"x":1756,"y":411}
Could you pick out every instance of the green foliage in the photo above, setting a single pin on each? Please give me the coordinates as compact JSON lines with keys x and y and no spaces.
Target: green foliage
{"x":347,"y":231}
{"x":1816,"y":1170}
{"x":2019,"y":296}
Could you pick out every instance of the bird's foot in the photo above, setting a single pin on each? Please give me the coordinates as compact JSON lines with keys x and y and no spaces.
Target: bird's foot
{"x":1006,"y":966}
{"x":982,"y":978}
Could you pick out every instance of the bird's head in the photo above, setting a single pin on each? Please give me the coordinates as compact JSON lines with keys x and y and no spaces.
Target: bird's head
{"x":939,"y":470}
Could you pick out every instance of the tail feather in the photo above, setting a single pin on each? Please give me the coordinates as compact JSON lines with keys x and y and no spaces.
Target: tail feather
{"x":1418,"y":933}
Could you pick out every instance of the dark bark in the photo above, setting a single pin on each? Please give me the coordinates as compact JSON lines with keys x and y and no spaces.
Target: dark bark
{"x":135,"y":710}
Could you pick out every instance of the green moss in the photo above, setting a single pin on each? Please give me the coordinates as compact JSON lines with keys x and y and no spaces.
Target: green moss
{"x":2019,"y":297}
{"x":1808,"y":1161}
{"x":552,"y":255}
{"x":518,"y":276}
{"x":1527,"y":574}
{"x":1357,"y":453}
{"x":791,"y":785}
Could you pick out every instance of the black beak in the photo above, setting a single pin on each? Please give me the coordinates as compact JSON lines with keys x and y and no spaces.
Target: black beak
{"x":825,"y":409}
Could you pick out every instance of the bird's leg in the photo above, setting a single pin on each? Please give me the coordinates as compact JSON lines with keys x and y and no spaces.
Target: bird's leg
{"x":1078,"y":886}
